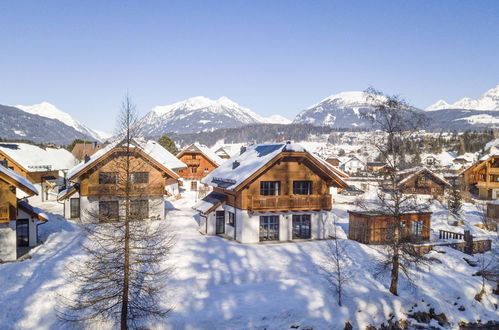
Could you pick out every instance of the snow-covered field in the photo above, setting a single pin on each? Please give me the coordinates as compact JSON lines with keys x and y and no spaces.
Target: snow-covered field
{"x":220,"y":284}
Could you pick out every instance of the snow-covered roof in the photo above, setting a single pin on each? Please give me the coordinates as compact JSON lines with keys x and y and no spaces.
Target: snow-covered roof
{"x":210,"y":154}
{"x":444,"y":158}
{"x":63,"y":194}
{"x":240,"y":167}
{"x":36,"y":159}
{"x":42,"y":216}
{"x":210,"y":201}
{"x":415,"y":171}
{"x":19,"y":179}
{"x":152,"y":148}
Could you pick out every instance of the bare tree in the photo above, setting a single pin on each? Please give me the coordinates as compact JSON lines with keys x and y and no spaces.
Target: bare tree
{"x":122,"y":274}
{"x":488,"y":270}
{"x":394,"y":121}
{"x":336,"y":263}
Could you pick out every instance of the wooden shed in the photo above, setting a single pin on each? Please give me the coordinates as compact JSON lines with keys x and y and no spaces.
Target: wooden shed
{"x":374,"y":227}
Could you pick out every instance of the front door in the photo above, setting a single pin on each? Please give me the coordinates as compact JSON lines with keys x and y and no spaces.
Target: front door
{"x":301,"y":226}
{"x":22,"y":232}
{"x":220,"y":222}
{"x":269,"y":228}
{"x":74,"y":208}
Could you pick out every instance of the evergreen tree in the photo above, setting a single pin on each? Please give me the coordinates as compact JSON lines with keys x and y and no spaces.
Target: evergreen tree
{"x":166,"y":142}
{"x":454,"y":203}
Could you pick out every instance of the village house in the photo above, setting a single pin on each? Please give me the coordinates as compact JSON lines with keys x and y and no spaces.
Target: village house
{"x":18,"y":220}
{"x":376,"y":167}
{"x":200,"y":161}
{"x":96,"y":188}
{"x":333,"y":161}
{"x":85,"y":149}
{"x":222,"y":153}
{"x":353,"y":165}
{"x":44,"y":166}
{"x":421,"y":181}
{"x":483,"y":177}
{"x":374,"y":227}
{"x":269,"y":192}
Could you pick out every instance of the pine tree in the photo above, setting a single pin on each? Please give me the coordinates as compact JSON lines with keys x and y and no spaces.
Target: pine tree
{"x":166,"y":142}
{"x":455,"y":200}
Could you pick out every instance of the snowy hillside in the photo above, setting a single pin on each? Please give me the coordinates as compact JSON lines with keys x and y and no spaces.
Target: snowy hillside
{"x":488,"y":101}
{"x":200,"y":113}
{"x":48,"y":110}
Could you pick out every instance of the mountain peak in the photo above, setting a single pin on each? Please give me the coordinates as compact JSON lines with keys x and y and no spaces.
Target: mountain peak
{"x":488,"y":101}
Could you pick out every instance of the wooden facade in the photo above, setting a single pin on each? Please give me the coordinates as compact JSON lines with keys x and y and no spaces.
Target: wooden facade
{"x":423,"y":182}
{"x":198,"y":165}
{"x":484,"y":177}
{"x":374,"y":228}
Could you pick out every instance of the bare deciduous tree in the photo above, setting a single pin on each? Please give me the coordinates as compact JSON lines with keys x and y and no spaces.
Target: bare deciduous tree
{"x":122,"y":274}
{"x":394,"y":121}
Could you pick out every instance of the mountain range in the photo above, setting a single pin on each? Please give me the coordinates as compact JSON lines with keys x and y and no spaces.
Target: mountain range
{"x":44,"y":122}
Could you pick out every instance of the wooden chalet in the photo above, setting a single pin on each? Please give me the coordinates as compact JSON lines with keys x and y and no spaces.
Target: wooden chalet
{"x":200,"y":161}
{"x":82,"y":150}
{"x":483,"y":177}
{"x":269,"y":192}
{"x":422,"y":181}
{"x":97,"y":186}
{"x":376,"y":167}
{"x":333,"y":161}
{"x":18,"y":220}
{"x":373,"y":227}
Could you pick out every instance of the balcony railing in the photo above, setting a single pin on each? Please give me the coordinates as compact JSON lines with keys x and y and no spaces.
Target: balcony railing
{"x":119,"y":190}
{"x":290,"y":203}
{"x":490,"y":184}
{"x":192,"y":162}
{"x":4,"y":213}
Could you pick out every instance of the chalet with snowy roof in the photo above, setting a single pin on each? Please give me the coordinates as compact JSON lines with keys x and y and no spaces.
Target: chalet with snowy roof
{"x":483,"y":177}
{"x":269,"y":192}
{"x":200,"y":161}
{"x":421,"y":181}
{"x":18,"y":220}
{"x":353,"y":165}
{"x":41,"y":165}
{"x":97,"y":186}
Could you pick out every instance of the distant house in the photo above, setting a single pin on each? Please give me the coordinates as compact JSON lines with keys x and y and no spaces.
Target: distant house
{"x":373,"y":227}
{"x":97,"y":187}
{"x":269,"y":192}
{"x":200,"y":161}
{"x":483,"y":176}
{"x":222,"y":153}
{"x":353,"y":165}
{"x":333,"y":161}
{"x":18,"y":220}
{"x":375,"y":167}
{"x":41,"y":165}
{"x":82,"y":150}
{"x":421,"y":181}
{"x":431,"y":160}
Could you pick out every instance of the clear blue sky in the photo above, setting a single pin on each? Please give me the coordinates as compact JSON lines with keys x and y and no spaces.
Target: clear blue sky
{"x":274,"y":57}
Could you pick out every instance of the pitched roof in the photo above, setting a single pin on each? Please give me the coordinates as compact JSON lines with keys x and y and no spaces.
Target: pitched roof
{"x":33,"y":158}
{"x":34,"y":211}
{"x":415,"y":171}
{"x":150,"y":148}
{"x":18,"y":180}
{"x":241,"y":167}
{"x":209,"y":202}
{"x":210,"y":154}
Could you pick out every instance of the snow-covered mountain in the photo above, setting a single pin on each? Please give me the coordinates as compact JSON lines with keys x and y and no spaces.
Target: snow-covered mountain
{"x":48,"y":110}
{"x":488,"y":101}
{"x":342,"y":110}
{"x":199,"y":114}
{"x":276,"y":119}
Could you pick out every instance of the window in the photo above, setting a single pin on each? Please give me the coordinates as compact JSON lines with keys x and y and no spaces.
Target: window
{"x":302,"y":187}
{"x":301,"y":226}
{"x":139,"y":208}
{"x":22,"y":232}
{"x":230,"y":220}
{"x":417,"y":228}
{"x":269,"y":228}
{"x":109,"y":211}
{"x":193,"y":156}
{"x":194,"y":169}
{"x":220,"y":222}
{"x":139,"y":177}
{"x":206,"y":170}
{"x":108,"y":178}
{"x":74,"y":208}
{"x":269,"y":188}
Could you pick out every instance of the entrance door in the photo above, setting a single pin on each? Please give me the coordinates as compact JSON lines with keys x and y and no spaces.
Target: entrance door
{"x":74,"y":208}
{"x":22,"y":232}
{"x":301,"y":226}
{"x":269,"y":228}
{"x":220,"y":222}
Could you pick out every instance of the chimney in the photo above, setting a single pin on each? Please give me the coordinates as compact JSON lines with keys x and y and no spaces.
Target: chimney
{"x":243,"y":149}
{"x":86,"y":158}
{"x":235,"y":164}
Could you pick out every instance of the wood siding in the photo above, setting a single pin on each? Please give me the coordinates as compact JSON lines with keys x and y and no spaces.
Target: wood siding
{"x":201,"y":163}
{"x":423,"y":184}
{"x":8,"y":202}
{"x":484,"y":175}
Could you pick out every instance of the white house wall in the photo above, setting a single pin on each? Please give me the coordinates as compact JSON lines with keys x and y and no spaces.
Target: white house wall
{"x":33,"y":226}
{"x":8,"y":242}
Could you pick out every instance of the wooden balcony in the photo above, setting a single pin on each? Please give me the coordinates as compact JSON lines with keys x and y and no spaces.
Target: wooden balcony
{"x":290,"y":203}
{"x":488,"y":185}
{"x":192,"y":162}
{"x":4,"y":213}
{"x":118,"y":190}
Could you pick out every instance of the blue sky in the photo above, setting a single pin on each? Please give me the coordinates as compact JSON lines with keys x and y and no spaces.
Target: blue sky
{"x":274,"y":57}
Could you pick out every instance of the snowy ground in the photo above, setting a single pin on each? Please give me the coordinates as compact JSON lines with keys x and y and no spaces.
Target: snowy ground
{"x":219,"y":284}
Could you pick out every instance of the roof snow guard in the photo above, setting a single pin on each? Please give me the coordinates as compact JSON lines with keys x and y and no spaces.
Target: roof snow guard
{"x":223,"y":183}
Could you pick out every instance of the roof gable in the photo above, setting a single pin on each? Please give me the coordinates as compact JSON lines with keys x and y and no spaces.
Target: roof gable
{"x":34,"y":158}
{"x":17,"y":180}
{"x":207,"y":152}
{"x":419,"y":170}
